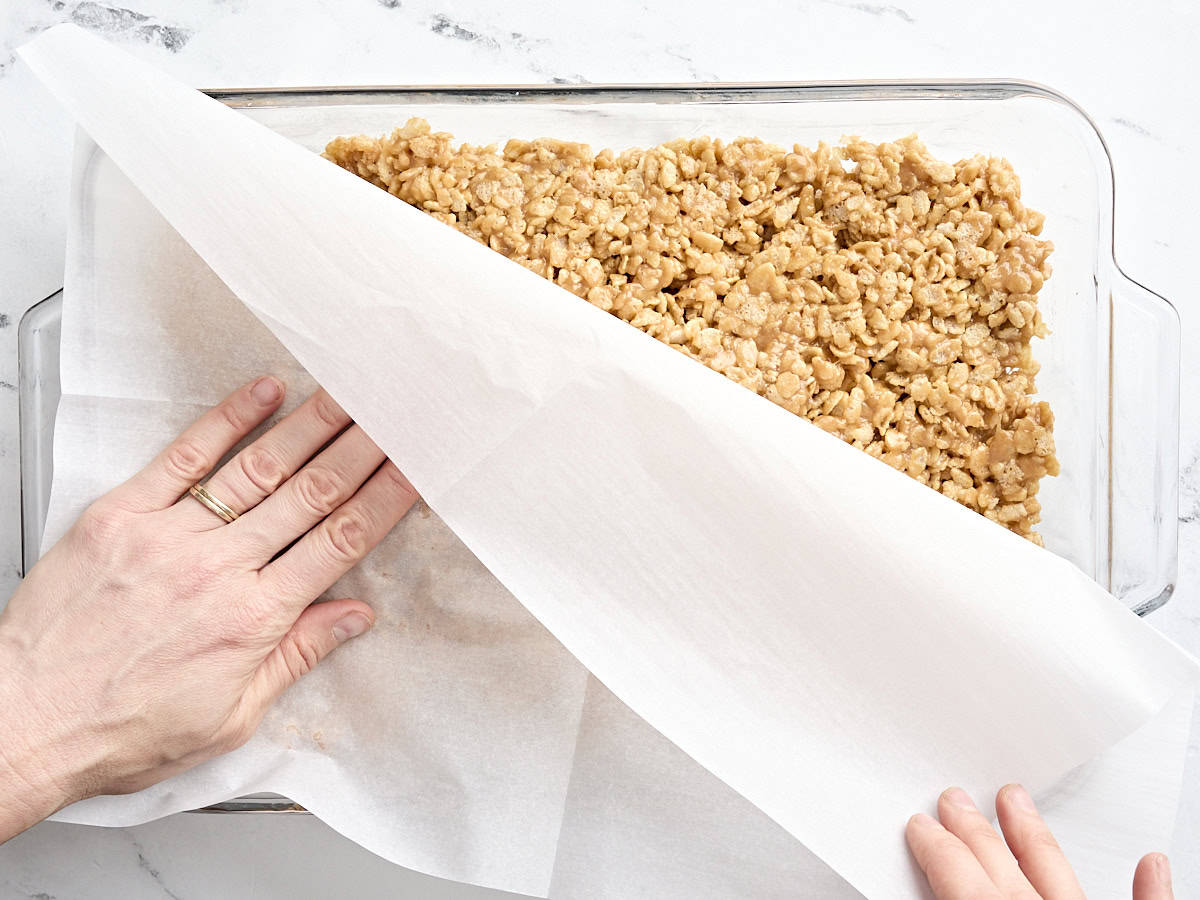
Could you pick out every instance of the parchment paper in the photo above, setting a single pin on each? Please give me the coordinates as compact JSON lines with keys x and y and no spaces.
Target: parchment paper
{"x":831,"y":641}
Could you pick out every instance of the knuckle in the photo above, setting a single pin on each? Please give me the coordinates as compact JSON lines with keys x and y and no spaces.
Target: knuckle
{"x":232,"y":416}
{"x":186,"y":460}
{"x":398,"y":483}
{"x":1041,"y":839}
{"x":300,"y":655}
{"x":192,"y":579}
{"x":292,"y":583}
{"x":262,"y":468}
{"x":347,"y":536}
{"x":318,"y":490}
{"x":940,"y":874}
{"x":244,"y":621}
{"x":328,"y":412}
{"x":99,"y":525}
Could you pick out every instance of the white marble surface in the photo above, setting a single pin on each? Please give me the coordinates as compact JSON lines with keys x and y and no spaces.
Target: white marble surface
{"x":1133,"y":73}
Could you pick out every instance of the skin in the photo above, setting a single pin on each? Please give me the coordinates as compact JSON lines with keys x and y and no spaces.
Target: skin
{"x":964,"y":858}
{"x":155,"y":636}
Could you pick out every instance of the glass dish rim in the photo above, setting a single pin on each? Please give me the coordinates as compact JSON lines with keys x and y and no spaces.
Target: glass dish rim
{"x":808,"y":91}
{"x":847,"y":89}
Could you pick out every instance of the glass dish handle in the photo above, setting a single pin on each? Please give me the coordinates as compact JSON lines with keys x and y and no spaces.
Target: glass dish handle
{"x":1144,"y":445}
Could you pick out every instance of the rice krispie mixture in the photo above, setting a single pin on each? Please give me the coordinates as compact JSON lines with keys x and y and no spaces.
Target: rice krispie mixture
{"x":886,"y":296}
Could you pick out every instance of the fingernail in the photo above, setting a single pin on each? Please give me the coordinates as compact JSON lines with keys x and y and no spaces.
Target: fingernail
{"x":1020,"y":799}
{"x":266,"y":390}
{"x":958,"y":797}
{"x":349,"y":626}
{"x":925,"y":821}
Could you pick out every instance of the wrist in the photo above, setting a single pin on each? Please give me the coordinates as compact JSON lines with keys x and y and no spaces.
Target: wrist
{"x":37,"y":777}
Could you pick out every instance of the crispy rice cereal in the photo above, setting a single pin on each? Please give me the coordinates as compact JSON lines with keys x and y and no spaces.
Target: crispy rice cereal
{"x":886,"y":296}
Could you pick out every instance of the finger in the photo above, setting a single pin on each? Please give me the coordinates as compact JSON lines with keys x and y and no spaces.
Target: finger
{"x":1152,"y":878}
{"x":962,"y":819}
{"x":258,"y":470}
{"x":319,"y":629}
{"x":194,"y":453}
{"x":950,"y":867}
{"x":327,"y":552}
{"x":1033,"y":845}
{"x":310,"y":495}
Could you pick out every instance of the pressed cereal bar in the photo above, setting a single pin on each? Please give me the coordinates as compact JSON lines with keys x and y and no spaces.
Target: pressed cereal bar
{"x":886,"y":296}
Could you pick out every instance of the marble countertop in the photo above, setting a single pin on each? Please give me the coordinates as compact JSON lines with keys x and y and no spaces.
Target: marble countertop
{"x":1126,"y":70}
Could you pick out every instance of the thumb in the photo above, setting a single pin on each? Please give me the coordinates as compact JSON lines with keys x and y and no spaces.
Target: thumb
{"x":313,"y":636}
{"x":1152,"y":879}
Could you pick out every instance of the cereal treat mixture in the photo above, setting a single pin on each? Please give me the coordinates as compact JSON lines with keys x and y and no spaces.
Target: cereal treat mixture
{"x":886,"y":296}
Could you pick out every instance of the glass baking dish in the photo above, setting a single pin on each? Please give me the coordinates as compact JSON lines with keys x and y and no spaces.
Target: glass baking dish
{"x":1110,"y":367}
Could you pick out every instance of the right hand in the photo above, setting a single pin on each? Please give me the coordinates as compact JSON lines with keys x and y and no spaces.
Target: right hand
{"x":964,"y":859}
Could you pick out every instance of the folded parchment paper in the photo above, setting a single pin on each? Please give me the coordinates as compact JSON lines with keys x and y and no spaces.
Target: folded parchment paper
{"x":831,"y":640}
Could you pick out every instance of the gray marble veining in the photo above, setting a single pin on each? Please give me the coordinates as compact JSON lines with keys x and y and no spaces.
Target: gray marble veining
{"x":1113,"y":64}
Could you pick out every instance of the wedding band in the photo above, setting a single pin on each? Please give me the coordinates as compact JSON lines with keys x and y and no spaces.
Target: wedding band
{"x":201,"y":493}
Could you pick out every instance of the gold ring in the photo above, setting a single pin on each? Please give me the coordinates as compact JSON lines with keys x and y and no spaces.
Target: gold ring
{"x":201,"y":493}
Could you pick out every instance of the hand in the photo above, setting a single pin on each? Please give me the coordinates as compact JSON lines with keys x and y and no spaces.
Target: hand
{"x":154,"y":635}
{"x":963,"y":857}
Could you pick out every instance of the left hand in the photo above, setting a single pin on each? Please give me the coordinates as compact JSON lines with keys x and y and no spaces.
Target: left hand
{"x":964,"y":859}
{"x":154,"y":636}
